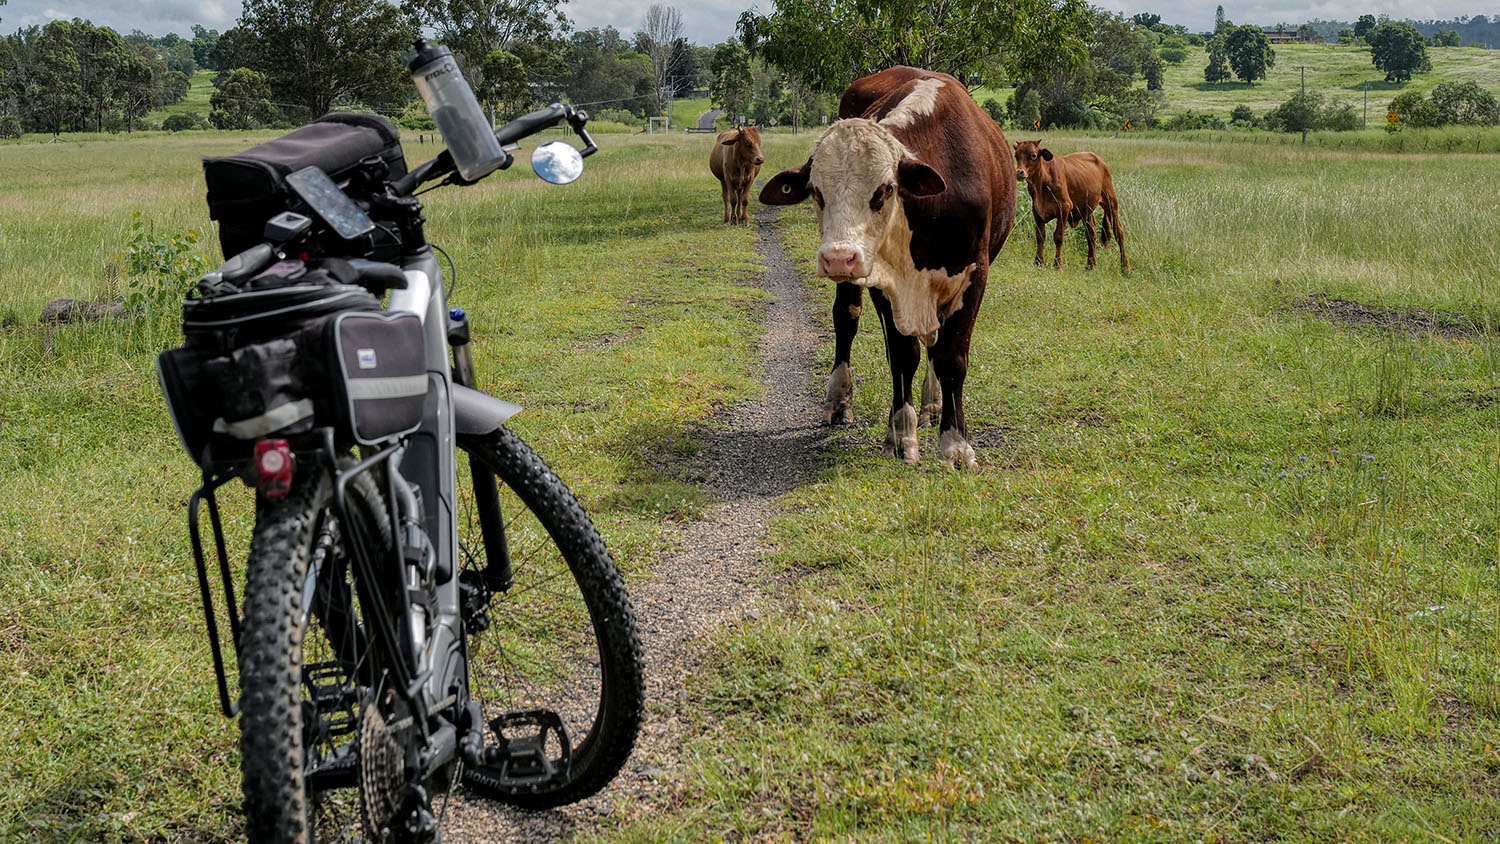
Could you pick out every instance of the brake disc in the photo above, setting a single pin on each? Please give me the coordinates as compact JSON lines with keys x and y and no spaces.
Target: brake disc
{"x":381,"y":772}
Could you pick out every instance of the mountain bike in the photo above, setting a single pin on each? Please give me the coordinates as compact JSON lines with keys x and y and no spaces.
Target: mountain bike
{"x":425,"y":605}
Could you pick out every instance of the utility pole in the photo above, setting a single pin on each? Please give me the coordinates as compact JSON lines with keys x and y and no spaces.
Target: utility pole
{"x":1364,"y":122}
{"x":1303,"y":68}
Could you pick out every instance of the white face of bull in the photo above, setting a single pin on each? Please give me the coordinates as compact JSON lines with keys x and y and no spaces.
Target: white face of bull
{"x":853,"y":182}
{"x":859,"y":177}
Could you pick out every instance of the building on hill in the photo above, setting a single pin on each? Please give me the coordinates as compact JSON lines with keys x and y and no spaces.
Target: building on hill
{"x":1280,"y":36}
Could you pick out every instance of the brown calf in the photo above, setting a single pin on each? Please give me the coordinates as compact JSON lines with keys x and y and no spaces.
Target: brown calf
{"x":1067,"y":190}
{"x":734,"y":162}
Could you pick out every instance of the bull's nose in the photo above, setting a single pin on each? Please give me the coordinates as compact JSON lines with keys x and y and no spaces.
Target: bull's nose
{"x":1021,"y":174}
{"x":759,"y":161}
{"x":838,"y":263}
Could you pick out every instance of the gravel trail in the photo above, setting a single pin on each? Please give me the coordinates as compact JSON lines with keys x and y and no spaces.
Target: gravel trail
{"x":712,"y":577}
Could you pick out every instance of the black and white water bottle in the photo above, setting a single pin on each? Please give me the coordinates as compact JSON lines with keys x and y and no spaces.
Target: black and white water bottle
{"x":455,"y":110}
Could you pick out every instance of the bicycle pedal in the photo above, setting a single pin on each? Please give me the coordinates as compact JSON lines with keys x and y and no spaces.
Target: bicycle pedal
{"x":524,"y":761}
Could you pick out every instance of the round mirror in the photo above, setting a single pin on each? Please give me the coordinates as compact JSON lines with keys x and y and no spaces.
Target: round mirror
{"x":557,"y":162}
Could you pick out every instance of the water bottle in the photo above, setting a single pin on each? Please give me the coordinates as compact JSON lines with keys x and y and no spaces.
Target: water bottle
{"x":451,"y":102}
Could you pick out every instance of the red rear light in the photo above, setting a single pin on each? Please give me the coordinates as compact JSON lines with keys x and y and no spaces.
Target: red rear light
{"x":273,"y":468}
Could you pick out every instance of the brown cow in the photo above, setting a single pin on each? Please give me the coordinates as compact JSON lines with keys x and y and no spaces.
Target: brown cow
{"x":735,"y":161}
{"x":915,"y":193}
{"x":1067,"y":190}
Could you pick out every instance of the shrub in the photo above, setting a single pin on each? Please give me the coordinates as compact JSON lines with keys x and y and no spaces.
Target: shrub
{"x":10,"y":126}
{"x":1415,"y":111}
{"x":160,"y":267}
{"x":1465,"y":103}
{"x":1340,"y":117}
{"x":1174,"y":55}
{"x":182,"y":122}
{"x":416,"y":118}
{"x":1190,"y":119}
{"x":1242,"y":115}
{"x":993,"y":108}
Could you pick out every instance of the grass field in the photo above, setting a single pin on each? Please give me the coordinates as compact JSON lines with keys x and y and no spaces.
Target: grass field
{"x":1336,"y":71}
{"x":1228,"y":570}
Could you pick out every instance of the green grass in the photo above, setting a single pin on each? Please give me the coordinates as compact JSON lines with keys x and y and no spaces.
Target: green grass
{"x":1337,"y":72}
{"x":616,"y":310}
{"x":1145,"y":618}
{"x":1227,"y":572}
{"x":200,"y":89}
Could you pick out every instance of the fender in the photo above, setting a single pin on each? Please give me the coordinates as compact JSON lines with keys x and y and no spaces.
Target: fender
{"x":479,"y":413}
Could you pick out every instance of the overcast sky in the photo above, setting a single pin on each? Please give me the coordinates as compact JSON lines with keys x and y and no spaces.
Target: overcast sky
{"x":711,"y":21}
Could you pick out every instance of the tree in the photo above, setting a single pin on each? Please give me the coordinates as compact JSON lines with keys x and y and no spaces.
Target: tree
{"x":231,"y":50}
{"x":1249,"y":53}
{"x":1029,"y":113}
{"x":1465,"y":103}
{"x":316,"y":52}
{"x":1145,"y":19}
{"x":1174,"y":55}
{"x":1364,"y":26}
{"x":1298,"y":114}
{"x":731,"y":88}
{"x":1242,"y":115}
{"x":242,"y":102}
{"x":827,"y":44}
{"x":504,"y":85}
{"x":1446,"y":38}
{"x":1414,"y":110}
{"x":1219,"y":20}
{"x":1346,"y":36}
{"x":532,"y":31}
{"x":1399,"y":50}
{"x":1306,"y":32}
{"x":1217,"y":69}
{"x":52,"y":88}
{"x":203,"y":44}
{"x":602,"y":68}
{"x":180,"y":57}
{"x":660,"y":31}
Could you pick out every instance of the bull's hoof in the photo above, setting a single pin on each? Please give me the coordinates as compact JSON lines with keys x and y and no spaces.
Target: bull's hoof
{"x":901,"y":435}
{"x":930,"y":415}
{"x":838,"y":407}
{"x":956,"y":451}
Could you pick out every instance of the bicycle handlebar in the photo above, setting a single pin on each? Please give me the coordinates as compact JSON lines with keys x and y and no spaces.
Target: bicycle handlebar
{"x":522,"y":127}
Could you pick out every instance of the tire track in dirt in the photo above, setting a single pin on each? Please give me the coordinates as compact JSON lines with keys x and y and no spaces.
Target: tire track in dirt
{"x":755,"y":451}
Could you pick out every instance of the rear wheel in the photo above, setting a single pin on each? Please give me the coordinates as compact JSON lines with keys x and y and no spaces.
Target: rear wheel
{"x":302,"y":653}
{"x":560,"y":640}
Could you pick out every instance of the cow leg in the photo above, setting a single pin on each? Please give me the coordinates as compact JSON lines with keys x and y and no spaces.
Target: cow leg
{"x":1041,"y":237}
{"x":728,"y":194}
{"x":950,"y":362}
{"x":1104,"y":226}
{"x":1090,"y":235}
{"x":904,"y":353}
{"x":1057,"y":236}
{"x":932,"y":396}
{"x":1114,"y":222}
{"x":838,"y":407}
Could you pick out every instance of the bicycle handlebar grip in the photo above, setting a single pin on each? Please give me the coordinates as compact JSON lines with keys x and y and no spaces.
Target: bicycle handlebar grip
{"x":530,"y":124}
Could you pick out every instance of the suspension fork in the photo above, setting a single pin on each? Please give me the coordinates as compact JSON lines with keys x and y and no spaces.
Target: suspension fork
{"x":497,"y":572}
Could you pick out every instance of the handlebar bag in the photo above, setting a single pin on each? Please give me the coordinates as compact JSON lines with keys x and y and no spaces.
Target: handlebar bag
{"x":249,"y":188}
{"x":283,"y":359}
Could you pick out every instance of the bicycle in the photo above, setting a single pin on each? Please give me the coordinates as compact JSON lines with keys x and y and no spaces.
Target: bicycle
{"x":401,"y":631}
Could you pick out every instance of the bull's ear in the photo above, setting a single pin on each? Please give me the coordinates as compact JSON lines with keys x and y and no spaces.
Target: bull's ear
{"x":788,"y":187}
{"x":1046,"y":155}
{"x":918,"y":179}
{"x":729,"y":142}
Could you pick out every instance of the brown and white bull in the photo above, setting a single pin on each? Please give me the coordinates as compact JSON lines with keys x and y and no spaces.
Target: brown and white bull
{"x":915,"y":193}
{"x":735,"y":161}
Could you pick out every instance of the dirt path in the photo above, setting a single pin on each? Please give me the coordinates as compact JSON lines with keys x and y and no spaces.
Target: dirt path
{"x":755,"y":451}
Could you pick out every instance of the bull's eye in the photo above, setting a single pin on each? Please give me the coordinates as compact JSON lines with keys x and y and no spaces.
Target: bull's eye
{"x":818,"y":197}
{"x":877,"y":199}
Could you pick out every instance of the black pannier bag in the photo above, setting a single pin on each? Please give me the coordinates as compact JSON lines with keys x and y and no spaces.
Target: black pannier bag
{"x":247,"y":189}
{"x":294,"y":350}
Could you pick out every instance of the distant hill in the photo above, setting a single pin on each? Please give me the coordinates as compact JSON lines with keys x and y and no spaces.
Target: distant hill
{"x":1337,"y":71}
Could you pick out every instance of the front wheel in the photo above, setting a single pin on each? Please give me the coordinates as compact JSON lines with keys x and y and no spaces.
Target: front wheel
{"x":560,"y":640}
